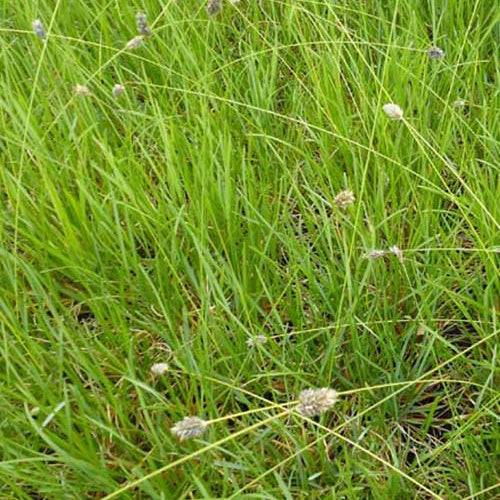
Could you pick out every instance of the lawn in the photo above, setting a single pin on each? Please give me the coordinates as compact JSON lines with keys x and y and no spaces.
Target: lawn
{"x":249,"y":250}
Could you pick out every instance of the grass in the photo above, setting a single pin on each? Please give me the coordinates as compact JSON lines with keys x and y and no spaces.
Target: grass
{"x":198,"y":211}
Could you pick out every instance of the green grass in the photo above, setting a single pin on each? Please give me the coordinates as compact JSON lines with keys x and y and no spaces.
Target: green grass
{"x":198,"y":210}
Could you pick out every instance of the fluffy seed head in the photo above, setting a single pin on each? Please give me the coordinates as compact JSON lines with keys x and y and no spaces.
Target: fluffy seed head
{"x":344,"y":199}
{"x":135,"y":42}
{"x":459,"y":103}
{"x":397,"y":252}
{"x":118,"y":90}
{"x":313,"y":402}
{"x":393,"y":111}
{"x":214,"y":7}
{"x":82,"y":90}
{"x":39,"y":29}
{"x":142,"y":24}
{"x":435,"y":53}
{"x":159,"y":368}
{"x":257,"y":340}
{"x":189,"y":427}
{"x":375,"y":254}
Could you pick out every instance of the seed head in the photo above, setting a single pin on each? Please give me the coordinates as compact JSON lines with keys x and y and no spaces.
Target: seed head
{"x":214,"y":7}
{"x":82,"y":90}
{"x":257,"y":340}
{"x":393,"y":111}
{"x":159,"y":368}
{"x":397,"y":252}
{"x":459,"y":103}
{"x":344,"y":199}
{"x":142,"y":24}
{"x":189,"y":427}
{"x":135,"y":42}
{"x":118,"y":90}
{"x":313,"y":402}
{"x":435,"y":53}
{"x":39,"y":30}
{"x":375,"y":254}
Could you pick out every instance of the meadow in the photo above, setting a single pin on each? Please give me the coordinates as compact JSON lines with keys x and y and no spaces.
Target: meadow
{"x":249,"y":249}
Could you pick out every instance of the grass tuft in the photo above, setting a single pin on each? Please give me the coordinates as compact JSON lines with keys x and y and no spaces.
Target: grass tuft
{"x":205,"y":218}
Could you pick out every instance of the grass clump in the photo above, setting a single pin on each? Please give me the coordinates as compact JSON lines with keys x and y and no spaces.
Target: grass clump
{"x":197,"y":234}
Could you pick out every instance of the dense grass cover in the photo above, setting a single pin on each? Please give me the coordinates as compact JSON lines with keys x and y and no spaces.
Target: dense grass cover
{"x":195,"y":220}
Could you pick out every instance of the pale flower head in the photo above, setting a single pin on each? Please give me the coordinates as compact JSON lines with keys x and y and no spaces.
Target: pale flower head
{"x":257,"y":340}
{"x":135,"y":42}
{"x":82,"y":90}
{"x":39,"y":30}
{"x":214,"y":7}
{"x":375,"y":254}
{"x":435,"y":53}
{"x":393,"y":111}
{"x":159,"y":368}
{"x":397,"y":252}
{"x":344,"y":199}
{"x":313,"y":402}
{"x":189,"y":427}
{"x":118,"y":90}
{"x":142,"y":24}
{"x":459,"y":103}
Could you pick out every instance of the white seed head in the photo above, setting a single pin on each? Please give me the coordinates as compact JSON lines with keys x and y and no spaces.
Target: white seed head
{"x":375,"y":254}
{"x":459,"y":103}
{"x":118,"y":90}
{"x":344,"y":199}
{"x":39,"y":29}
{"x":393,"y":111}
{"x":189,"y":427}
{"x":82,"y":90}
{"x":313,"y":402}
{"x":257,"y":340}
{"x":142,"y":24}
{"x":397,"y":252}
{"x":135,"y":42}
{"x":214,"y":7}
{"x":159,"y":368}
{"x":435,"y":53}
